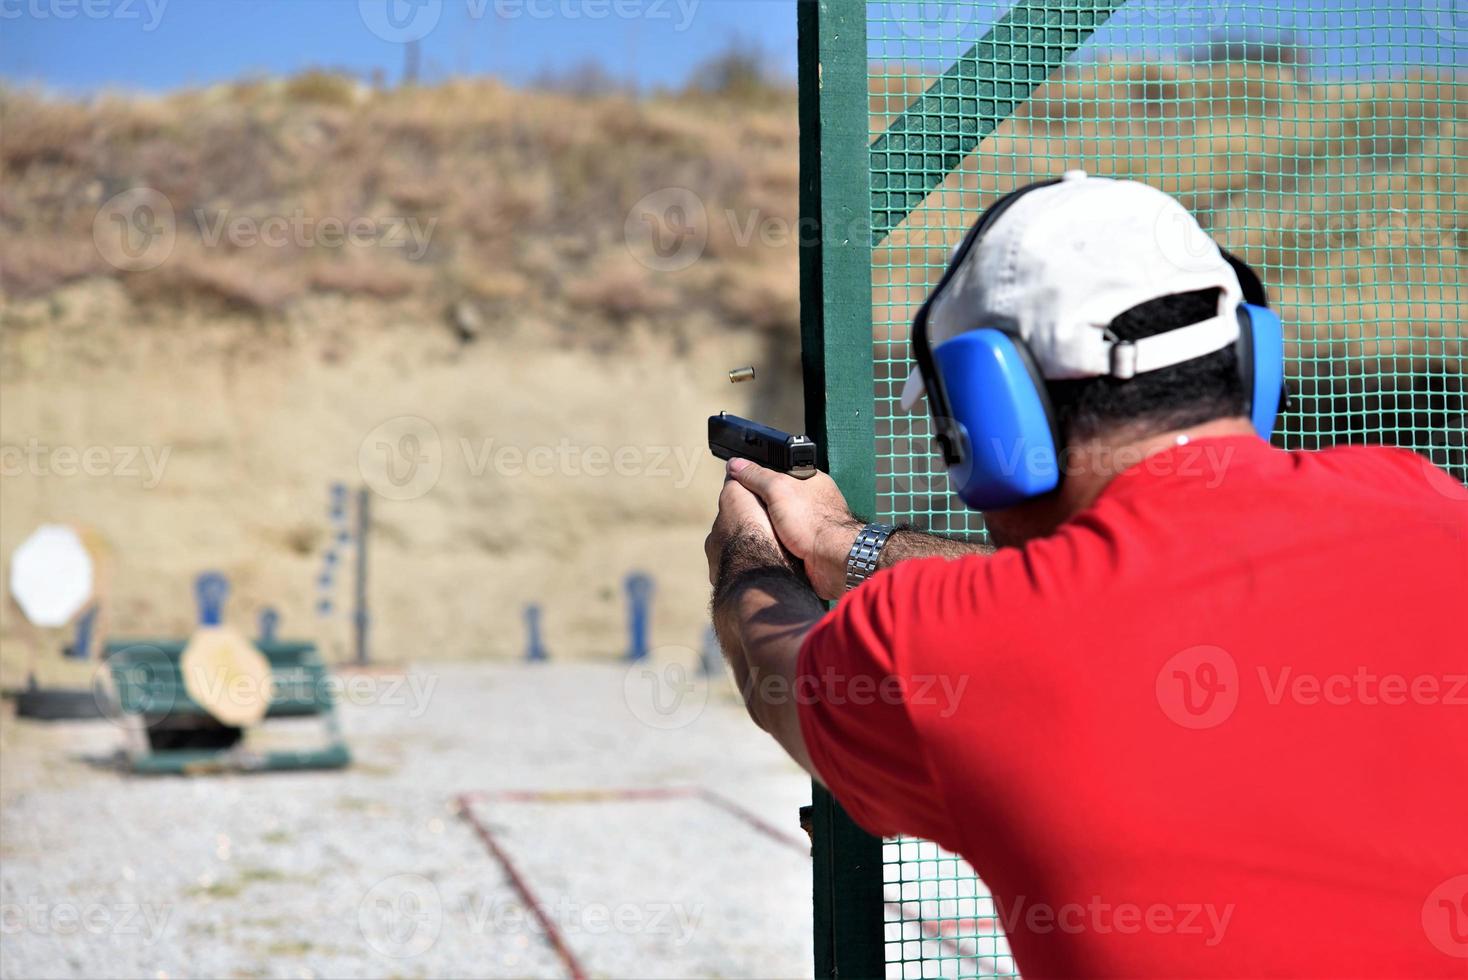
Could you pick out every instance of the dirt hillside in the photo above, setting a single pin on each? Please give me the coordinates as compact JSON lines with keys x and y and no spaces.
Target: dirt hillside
{"x":551,"y":369}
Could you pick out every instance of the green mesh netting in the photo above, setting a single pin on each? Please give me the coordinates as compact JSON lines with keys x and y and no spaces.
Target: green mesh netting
{"x":1322,"y":141}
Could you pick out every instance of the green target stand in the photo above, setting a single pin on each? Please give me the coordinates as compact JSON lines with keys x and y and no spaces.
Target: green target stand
{"x":1322,"y":140}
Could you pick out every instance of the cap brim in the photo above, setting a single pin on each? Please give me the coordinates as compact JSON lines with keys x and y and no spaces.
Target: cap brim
{"x":912,"y":390}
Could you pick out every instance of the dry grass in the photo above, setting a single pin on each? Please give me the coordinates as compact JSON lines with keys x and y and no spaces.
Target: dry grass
{"x":1349,"y":197}
{"x":1355,"y":191}
{"x":509,"y":198}
{"x":32,"y":265}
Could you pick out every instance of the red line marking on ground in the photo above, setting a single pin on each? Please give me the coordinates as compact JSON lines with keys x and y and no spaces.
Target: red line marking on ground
{"x":931,"y":932}
{"x":552,"y":931}
{"x":754,"y":820}
{"x":942,"y":932}
{"x":579,"y":795}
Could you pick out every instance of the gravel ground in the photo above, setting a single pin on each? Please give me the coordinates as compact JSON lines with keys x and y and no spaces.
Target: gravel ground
{"x":372,"y":871}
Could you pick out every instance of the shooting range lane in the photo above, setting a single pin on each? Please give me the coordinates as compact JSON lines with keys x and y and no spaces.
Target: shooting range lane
{"x":369,"y":871}
{"x":678,"y":914}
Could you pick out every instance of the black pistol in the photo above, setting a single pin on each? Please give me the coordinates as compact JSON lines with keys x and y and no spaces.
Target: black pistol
{"x":731,"y":436}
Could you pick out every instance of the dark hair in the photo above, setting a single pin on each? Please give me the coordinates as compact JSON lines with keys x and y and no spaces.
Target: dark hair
{"x":1185,"y":394}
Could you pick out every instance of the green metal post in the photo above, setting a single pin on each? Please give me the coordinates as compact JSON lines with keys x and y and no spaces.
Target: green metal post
{"x":836,"y":360}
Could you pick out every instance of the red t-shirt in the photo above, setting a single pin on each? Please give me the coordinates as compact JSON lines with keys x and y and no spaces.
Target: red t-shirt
{"x":1216,"y":725}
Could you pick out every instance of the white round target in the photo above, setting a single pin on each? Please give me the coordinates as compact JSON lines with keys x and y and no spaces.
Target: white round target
{"x":51,"y":575}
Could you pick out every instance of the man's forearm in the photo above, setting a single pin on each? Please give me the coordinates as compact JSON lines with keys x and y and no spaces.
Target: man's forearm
{"x":762,"y":610}
{"x":758,"y":602}
{"x":902,"y":544}
{"x":908,"y":542}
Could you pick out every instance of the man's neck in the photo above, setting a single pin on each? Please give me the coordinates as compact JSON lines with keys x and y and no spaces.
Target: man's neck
{"x":1094,"y":463}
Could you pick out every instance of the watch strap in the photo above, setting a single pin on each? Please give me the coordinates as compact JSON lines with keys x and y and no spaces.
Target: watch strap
{"x":861,"y":562}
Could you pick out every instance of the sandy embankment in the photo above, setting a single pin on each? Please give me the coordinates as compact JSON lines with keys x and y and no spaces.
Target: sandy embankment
{"x":559,"y":469}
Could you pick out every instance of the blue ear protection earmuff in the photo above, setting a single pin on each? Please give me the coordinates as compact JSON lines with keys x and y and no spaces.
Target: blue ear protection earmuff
{"x":1261,"y":362}
{"x":1261,"y":350}
{"x":992,"y":417}
{"x":1001,"y":423}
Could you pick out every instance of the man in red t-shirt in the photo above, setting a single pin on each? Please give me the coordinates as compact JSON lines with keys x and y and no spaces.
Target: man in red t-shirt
{"x":1205,"y":710}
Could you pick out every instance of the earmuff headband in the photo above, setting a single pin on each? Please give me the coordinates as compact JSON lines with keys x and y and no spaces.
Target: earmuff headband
{"x":939,"y":406}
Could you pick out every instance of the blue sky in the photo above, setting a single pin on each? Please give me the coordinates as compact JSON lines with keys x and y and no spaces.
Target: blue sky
{"x":85,"y":45}
{"x":160,"y":44}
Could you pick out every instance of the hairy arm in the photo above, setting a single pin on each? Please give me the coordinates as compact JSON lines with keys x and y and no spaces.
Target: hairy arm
{"x":776,"y":548}
{"x":908,"y":542}
{"x":762,"y":611}
{"x":810,"y":517}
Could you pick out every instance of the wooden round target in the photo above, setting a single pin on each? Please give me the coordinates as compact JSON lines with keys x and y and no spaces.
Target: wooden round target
{"x":226,"y":675}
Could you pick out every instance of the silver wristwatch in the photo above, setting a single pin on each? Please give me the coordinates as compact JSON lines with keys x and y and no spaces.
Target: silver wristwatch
{"x":861,"y":562}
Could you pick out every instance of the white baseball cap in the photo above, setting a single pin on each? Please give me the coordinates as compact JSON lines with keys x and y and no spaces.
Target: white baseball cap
{"x":1064,"y":260}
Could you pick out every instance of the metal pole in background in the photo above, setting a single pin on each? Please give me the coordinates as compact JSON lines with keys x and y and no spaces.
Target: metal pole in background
{"x":411,"y":59}
{"x":836,"y":365}
{"x":359,"y":614}
{"x":639,"y":588}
